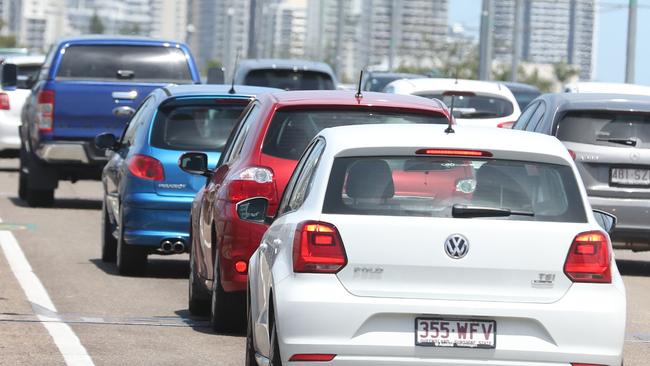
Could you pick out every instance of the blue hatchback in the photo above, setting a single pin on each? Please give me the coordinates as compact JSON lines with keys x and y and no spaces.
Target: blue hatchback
{"x":147,"y":197}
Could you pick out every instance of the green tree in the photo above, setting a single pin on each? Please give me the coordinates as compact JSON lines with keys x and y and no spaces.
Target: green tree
{"x":563,"y":71}
{"x":8,"y":41}
{"x":96,"y":26}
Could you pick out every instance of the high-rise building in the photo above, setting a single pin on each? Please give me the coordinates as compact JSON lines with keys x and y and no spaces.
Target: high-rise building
{"x":290,"y":28}
{"x":553,"y":31}
{"x":220,"y":31}
{"x":128,"y":17}
{"x":169,"y":19}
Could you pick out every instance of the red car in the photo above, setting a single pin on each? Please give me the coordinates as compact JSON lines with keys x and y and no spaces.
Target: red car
{"x":228,"y":215}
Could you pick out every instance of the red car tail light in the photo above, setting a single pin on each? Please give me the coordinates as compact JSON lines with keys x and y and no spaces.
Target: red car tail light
{"x":589,"y":258}
{"x":572,"y":153}
{"x":4,"y":102}
{"x":314,"y":357}
{"x":146,"y":167}
{"x":585,"y":364}
{"x":318,"y":248}
{"x":45,"y":111}
{"x":241,"y":267}
{"x":506,"y":124}
{"x":455,"y":152}
{"x":252,"y":182}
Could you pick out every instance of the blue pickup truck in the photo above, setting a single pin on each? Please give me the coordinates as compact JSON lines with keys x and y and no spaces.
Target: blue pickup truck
{"x":87,"y":86}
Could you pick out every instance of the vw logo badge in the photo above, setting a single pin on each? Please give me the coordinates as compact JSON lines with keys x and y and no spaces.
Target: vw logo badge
{"x":456,"y":246}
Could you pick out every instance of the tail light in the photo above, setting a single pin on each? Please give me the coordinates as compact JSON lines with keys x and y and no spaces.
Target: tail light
{"x":586,"y":364}
{"x":252,"y":182}
{"x":506,"y":124}
{"x":455,"y":152}
{"x":589,"y":258}
{"x":313,"y":357}
{"x":4,"y":101}
{"x":146,"y":167}
{"x":45,"y":111}
{"x":572,"y":153}
{"x":318,"y":248}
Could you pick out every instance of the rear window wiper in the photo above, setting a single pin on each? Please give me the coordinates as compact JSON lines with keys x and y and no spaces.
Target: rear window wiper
{"x":465,"y":211}
{"x":626,"y":142}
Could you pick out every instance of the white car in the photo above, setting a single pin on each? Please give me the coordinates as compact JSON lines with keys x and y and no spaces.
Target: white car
{"x":476,"y":103}
{"x":12,"y":99}
{"x":406,"y":245}
{"x":609,"y":88}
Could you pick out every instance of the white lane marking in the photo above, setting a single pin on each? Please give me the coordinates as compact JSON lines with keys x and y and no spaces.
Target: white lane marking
{"x":66,"y":340}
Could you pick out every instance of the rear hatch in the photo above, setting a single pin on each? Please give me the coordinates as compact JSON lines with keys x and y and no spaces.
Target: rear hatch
{"x":96,"y":84}
{"x":612,"y":151}
{"x":191,"y":124}
{"x":397,"y":240}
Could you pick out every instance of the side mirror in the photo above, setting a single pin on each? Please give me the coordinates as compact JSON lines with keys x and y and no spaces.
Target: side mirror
{"x":606,"y":220}
{"x":9,"y":76}
{"x":216,"y":75}
{"x":106,"y":141}
{"x":253,"y":209}
{"x":195,"y":163}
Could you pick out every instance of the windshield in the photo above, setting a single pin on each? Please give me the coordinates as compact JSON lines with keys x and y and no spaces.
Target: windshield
{"x":125,"y":64}
{"x":475,"y":106}
{"x":289,"y":79}
{"x":196,"y":125}
{"x":606,"y":128}
{"x":430,"y":187}
{"x":291,"y":130}
{"x":27,"y":74}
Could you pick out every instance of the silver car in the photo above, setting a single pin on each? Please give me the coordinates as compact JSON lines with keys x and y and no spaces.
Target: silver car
{"x":609,"y":137}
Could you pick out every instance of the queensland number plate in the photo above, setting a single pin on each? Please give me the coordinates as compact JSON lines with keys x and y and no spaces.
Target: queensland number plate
{"x":455,"y":333}
{"x":630,"y":177}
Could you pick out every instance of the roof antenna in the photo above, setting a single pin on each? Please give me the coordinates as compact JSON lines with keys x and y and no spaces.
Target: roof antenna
{"x":449,"y":128}
{"x":359,"y":95}
{"x":234,"y":71}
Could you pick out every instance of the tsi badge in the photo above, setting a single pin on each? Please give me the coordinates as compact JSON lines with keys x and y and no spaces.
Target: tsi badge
{"x":456,"y":246}
{"x":544,"y":280}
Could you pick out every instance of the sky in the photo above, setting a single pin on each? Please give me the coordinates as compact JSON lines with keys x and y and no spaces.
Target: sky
{"x":610,"y":40}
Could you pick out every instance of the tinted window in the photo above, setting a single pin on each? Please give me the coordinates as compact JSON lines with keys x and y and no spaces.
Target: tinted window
{"x":196,"y":125}
{"x":289,"y":79}
{"x":606,"y":128}
{"x":238,"y":142}
{"x":525,"y":116}
{"x":124,"y":63}
{"x":27,"y":75}
{"x":291,"y":130}
{"x":140,"y":116}
{"x":476,"y":106}
{"x":524,"y":98}
{"x":402,"y":186}
{"x":536,"y":118}
{"x":305,"y":181}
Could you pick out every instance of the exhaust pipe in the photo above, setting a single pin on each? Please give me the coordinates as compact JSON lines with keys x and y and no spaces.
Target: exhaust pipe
{"x":179,"y":247}
{"x":167,"y":246}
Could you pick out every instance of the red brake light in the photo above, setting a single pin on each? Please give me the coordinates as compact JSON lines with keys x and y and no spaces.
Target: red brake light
{"x":506,"y":124}
{"x":4,"y":101}
{"x":589,"y":258}
{"x":572,"y":153}
{"x":455,"y":152}
{"x":146,"y":167}
{"x":312,"y":357}
{"x":241,"y":266}
{"x":585,"y":364}
{"x":252,"y":182}
{"x":318,"y":248}
{"x":45,"y":111}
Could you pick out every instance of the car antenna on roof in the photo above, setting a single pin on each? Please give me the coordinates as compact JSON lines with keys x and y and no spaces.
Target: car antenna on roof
{"x":358,"y":95}
{"x":234,"y":71}
{"x":449,"y":128}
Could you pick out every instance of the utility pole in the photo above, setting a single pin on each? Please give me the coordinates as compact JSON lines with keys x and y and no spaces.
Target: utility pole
{"x":517,"y":35}
{"x":394,"y":33}
{"x":631,"y":42}
{"x":485,"y":47}
{"x":340,"y":24}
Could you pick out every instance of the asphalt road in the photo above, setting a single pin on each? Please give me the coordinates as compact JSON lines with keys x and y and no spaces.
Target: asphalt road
{"x":144,"y":320}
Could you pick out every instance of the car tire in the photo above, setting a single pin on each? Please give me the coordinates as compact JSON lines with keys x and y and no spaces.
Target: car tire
{"x":250,"y":346}
{"x":274,"y":357}
{"x":198,"y":297}
{"x":109,"y":242}
{"x":131,"y":260}
{"x":225,"y":308}
{"x":33,"y":197}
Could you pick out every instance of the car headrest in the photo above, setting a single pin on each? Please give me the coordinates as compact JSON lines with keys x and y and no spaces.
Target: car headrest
{"x":495,"y":185}
{"x":370,"y":178}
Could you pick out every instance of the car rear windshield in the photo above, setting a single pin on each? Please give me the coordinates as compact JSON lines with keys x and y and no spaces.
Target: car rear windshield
{"x":291,"y":130}
{"x":196,"y":124}
{"x":289,"y":79}
{"x":606,"y":128}
{"x":27,"y":74}
{"x":125,"y":64}
{"x":430,"y":186}
{"x":476,"y":106}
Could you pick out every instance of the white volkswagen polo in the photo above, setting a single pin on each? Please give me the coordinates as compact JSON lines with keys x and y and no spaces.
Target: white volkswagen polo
{"x":406,"y":245}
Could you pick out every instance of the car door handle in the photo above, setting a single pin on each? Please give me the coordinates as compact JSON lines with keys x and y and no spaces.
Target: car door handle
{"x":130,"y":95}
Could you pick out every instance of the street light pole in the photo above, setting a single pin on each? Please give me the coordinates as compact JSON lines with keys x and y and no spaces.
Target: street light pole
{"x":631,"y":42}
{"x":485,"y":47}
{"x":517,"y":34}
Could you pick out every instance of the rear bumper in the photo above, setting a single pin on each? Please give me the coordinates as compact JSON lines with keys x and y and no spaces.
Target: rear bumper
{"x":633,"y":218}
{"x":587,"y":325}
{"x":70,"y":152}
{"x":150,"y":219}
